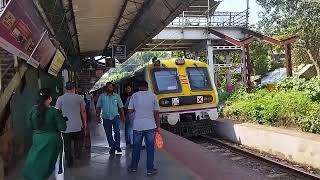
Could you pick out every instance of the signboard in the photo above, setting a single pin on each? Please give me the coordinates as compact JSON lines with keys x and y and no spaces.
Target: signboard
{"x":21,"y":30}
{"x":175,"y":101}
{"x":199,"y":99}
{"x":56,"y":63}
{"x":119,"y":52}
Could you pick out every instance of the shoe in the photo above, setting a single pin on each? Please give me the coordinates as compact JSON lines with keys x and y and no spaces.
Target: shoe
{"x":152,"y":172}
{"x":119,"y":151}
{"x":112,"y":151}
{"x":132,"y":170}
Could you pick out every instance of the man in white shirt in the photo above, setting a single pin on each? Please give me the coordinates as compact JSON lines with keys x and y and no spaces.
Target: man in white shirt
{"x":146,"y":122}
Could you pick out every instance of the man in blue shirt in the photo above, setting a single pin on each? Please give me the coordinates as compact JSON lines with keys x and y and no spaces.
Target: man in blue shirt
{"x":112,"y":110}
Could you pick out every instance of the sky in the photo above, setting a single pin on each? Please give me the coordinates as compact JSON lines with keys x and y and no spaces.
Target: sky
{"x":240,"y":5}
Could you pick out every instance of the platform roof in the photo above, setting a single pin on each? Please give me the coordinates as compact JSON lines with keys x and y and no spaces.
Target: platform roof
{"x":95,"y":21}
{"x":91,"y":27}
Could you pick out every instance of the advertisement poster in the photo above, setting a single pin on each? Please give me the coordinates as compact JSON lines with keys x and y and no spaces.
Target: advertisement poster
{"x":56,"y":64}
{"x":43,"y":53}
{"x":21,"y":29}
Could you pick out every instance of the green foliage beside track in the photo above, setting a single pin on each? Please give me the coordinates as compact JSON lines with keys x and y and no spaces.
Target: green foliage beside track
{"x":295,"y":105}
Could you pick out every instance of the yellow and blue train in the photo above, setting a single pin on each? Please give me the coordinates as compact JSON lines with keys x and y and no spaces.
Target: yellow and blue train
{"x":186,"y":93}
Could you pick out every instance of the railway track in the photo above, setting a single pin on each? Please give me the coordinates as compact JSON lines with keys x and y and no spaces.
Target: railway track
{"x":272,"y":168}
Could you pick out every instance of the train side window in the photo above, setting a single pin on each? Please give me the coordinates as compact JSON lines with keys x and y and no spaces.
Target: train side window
{"x":166,"y":81}
{"x":199,"y":79}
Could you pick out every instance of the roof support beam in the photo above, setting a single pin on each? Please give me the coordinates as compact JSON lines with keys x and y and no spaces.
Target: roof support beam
{"x":232,"y":40}
{"x":74,"y":25}
{"x":150,"y":33}
{"x":286,"y":44}
{"x":123,"y":8}
{"x":271,"y":39}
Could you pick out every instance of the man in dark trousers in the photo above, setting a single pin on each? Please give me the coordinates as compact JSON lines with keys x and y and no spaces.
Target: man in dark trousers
{"x":111,"y":106}
{"x":72,"y":106}
{"x":124,"y":97}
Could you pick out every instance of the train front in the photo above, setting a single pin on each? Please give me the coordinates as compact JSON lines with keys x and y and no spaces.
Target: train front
{"x":187,"y":96}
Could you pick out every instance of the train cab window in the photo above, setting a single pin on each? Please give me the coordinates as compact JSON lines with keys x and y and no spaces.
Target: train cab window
{"x":166,"y":80}
{"x":199,"y":79}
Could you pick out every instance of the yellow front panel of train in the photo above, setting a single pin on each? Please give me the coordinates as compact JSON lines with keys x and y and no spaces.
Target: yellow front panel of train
{"x":183,"y":88}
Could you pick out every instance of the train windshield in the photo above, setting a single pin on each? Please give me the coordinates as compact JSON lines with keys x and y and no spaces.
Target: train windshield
{"x":167,"y":81}
{"x":199,"y":79}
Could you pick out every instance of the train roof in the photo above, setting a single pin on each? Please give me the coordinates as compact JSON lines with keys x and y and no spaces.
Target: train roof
{"x":165,"y":63}
{"x":187,"y":62}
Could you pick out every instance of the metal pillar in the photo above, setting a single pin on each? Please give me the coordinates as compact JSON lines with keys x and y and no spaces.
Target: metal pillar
{"x":210,"y":61}
{"x":249,"y":67}
{"x":243,"y":62}
{"x":287,"y":48}
{"x":246,"y":66}
{"x":247,"y":14}
{"x":15,"y":61}
{"x":208,"y":17}
{"x":210,"y":58}
{"x":196,"y":55}
{"x":39,"y":80}
{"x":227,"y":60}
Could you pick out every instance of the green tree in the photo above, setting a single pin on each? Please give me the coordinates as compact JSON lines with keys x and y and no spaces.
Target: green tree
{"x":301,"y":17}
{"x":147,"y":56}
{"x":260,"y":57}
{"x":177,"y":54}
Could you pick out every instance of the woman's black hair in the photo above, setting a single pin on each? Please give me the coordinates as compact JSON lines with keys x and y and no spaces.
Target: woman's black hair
{"x":44,"y":94}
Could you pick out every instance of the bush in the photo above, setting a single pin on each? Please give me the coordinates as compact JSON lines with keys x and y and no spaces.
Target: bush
{"x":313,"y":89}
{"x":311,"y":121}
{"x":289,"y":108}
{"x":292,"y":84}
{"x":310,"y":88}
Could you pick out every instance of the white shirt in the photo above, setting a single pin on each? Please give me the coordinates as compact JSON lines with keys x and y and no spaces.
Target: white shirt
{"x":144,"y":103}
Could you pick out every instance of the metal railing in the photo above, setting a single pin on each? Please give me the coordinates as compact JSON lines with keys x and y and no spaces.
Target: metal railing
{"x":218,"y":19}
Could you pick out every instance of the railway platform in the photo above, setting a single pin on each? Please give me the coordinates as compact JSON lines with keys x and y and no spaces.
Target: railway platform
{"x":181,"y":159}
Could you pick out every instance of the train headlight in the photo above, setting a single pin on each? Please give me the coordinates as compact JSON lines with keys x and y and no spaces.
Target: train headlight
{"x":207,"y":99}
{"x":164,"y":102}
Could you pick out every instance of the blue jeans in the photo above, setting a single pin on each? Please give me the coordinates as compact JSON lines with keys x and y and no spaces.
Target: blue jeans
{"x":114,"y":142}
{"x":149,"y":136}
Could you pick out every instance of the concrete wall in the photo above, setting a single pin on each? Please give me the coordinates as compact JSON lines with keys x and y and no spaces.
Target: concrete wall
{"x":15,"y":142}
{"x":295,"y":146}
